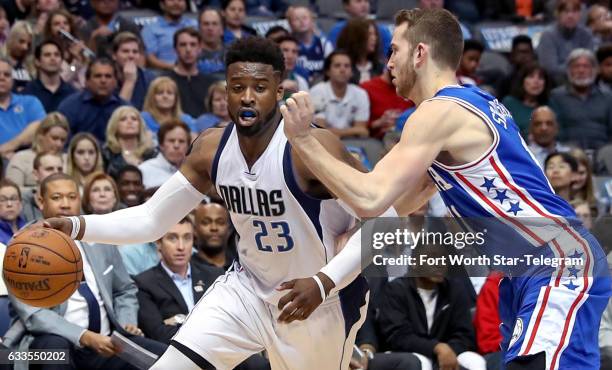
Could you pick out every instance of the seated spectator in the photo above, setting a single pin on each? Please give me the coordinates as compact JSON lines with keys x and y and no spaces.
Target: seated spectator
{"x":105,"y":301}
{"x":75,"y":58}
{"x":359,"y":9}
{"x":582,"y":188}
{"x":100,"y":194}
{"x":584,"y":212}
{"x":234,"y":15}
{"x":162,"y":105}
{"x":516,"y":11}
{"x":521,"y":54}
{"x":216,"y":104}
{"x":385,"y":104}
{"x":84,"y":157}
{"x":313,"y":48}
{"x":10,"y":210}
{"x":211,"y":59}
{"x":472,"y":51}
{"x":466,"y":10}
{"x":561,"y":38}
{"x":192,"y":84}
{"x":265,"y":8}
{"x":173,"y":144}
{"x":128,"y":141}
{"x":17,"y":9}
{"x":359,"y":38}
{"x":543,"y":130}
{"x":19,"y":114}
{"x":90,"y":109}
{"x":583,"y":110}
{"x":293,"y":81}
{"x":45,"y":165}
{"x":487,"y":321}
{"x":276,"y":32}
{"x":48,"y":86}
{"x":604,"y":78}
{"x":101,"y":29}
{"x":599,"y":23}
{"x":340,"y":106}
{"x":561,"y":171}
{"x":133,"y":81}
{"x":530,"y":90}
{"x":130,"y":186}
{"x":40,"y":13}
{"x":213,"y":229}
{"x":158,"y":36}
{"x":446,"y":336}
{"x":19,"y":54}
{"x":168,"y":291}
{"x":50,"y":137}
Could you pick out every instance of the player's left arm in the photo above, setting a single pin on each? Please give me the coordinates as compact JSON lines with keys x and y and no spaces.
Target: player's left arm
{"x":400,"y":171}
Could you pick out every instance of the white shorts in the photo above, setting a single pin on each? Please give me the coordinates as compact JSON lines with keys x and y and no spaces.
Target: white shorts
{"x":230,"y":323}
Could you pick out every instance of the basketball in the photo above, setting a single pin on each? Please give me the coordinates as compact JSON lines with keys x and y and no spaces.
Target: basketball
{"x":42,"y":267}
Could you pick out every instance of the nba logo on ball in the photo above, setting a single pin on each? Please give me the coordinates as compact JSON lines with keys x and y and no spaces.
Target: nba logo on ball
{"x":23,"y":258}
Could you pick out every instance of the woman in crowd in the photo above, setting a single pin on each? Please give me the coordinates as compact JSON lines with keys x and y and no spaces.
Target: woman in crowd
{"x":10,"y":210}
{"x":361,"y":40}
{"x":19,"y":53}
{"x":561,"y":168}
{"x":100,"y":194}
{"x":75,"y":62}
{"x":582,"y":188}
{"x":216,"y":104}
{"x":84,"y":157}
{"x":128,"y":141}
{"x":40,"y":13}
{"x":529,"y":91}
{"x":162,"y":104}
{"x":51,"y":136}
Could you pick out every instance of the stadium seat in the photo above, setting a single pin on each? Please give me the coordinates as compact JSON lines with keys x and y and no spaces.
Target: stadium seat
{"x":331,"y":8}
{"x":387,"y":8}
{"x":603,"y":162}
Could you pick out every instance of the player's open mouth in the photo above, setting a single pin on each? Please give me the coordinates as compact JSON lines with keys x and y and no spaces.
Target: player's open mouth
{"x":247,"y":116}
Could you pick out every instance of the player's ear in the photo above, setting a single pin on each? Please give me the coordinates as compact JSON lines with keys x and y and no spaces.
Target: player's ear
{"x":39,"y":201}
{"x":280,"y":91}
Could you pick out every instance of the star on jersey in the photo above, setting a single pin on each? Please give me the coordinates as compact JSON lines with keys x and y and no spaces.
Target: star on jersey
{"x":573,"y":271}
{"x":571,"y":285}
{"x":514,"y":207}
{"x":501,"y":195}
{"x":576,"y":254}
{"x":488,"y":184}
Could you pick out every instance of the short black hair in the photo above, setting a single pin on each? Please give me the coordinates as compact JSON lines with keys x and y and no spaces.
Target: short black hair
{"x":100,"y":61}
{"x":188,"y":30}
{"x":255,"y":49}
{"x":567,"y":158}
{"x":276,"y":29}
{"x":39,"y":47}
{"x":604,"y":52}
{"x":282,"y":39}
{"x":521,"y":39}
{"x":55,"y":177}
{"x":128,"y":168}
{"x":328,"y":60}
{"x":225,"y":4}
{"x":471,"y":44}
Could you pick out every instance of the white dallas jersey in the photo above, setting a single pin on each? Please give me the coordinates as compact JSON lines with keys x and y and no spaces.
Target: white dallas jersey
{"x":283,"y":233}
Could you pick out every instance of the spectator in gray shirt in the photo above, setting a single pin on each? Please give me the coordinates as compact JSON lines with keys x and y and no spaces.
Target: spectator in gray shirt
{"x":583,"y":110}
{"x":561,"y":38}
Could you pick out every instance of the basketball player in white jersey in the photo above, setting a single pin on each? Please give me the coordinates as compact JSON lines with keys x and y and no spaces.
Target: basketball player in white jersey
{"x":283,"y":296}
{"x":467,"y":143}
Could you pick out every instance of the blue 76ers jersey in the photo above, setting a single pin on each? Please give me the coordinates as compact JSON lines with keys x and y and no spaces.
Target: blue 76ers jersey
{"x":506,"y":182}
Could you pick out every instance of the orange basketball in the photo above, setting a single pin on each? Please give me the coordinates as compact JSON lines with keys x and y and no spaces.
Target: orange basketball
{"x":42,"y":267}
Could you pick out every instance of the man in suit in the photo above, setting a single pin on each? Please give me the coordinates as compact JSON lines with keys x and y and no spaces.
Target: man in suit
{"x":105,"y":301}
{"x":169,"y":290}
{"x":213,"y":230}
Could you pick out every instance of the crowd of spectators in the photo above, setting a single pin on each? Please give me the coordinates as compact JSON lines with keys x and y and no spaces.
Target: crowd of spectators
{"x":100,"y":99}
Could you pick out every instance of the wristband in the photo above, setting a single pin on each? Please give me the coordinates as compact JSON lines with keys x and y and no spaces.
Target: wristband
{"x":76,"y":226}
{"x":321,"y":289}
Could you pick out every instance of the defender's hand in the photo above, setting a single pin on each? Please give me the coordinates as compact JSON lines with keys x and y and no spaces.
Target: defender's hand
{"x":298,"y":113}
{"x":303,"y":298}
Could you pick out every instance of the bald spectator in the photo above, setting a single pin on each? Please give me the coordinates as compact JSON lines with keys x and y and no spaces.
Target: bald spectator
{"x":543,"y":131}
{"x":604,"y":57}
{"x":360,"y":9}
{"x":20,"y":115}
{"x":213,"y":230}
{"x":583,"y":110}
{"x":561,"y":38}
{"x":313,"y":48}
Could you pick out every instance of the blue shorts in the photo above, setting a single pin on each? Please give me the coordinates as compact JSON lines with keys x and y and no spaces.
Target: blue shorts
{"x":558,"y":312}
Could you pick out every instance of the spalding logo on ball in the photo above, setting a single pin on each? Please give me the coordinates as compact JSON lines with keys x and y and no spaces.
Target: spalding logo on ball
{"x":42,"y":267}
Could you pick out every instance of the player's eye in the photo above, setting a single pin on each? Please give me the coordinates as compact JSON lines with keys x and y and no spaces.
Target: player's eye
{"x":260,"y":88}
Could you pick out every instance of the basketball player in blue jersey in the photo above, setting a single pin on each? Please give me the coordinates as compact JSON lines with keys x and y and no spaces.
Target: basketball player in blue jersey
{"x":284,"y":296}
{"x":463,"y":141}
